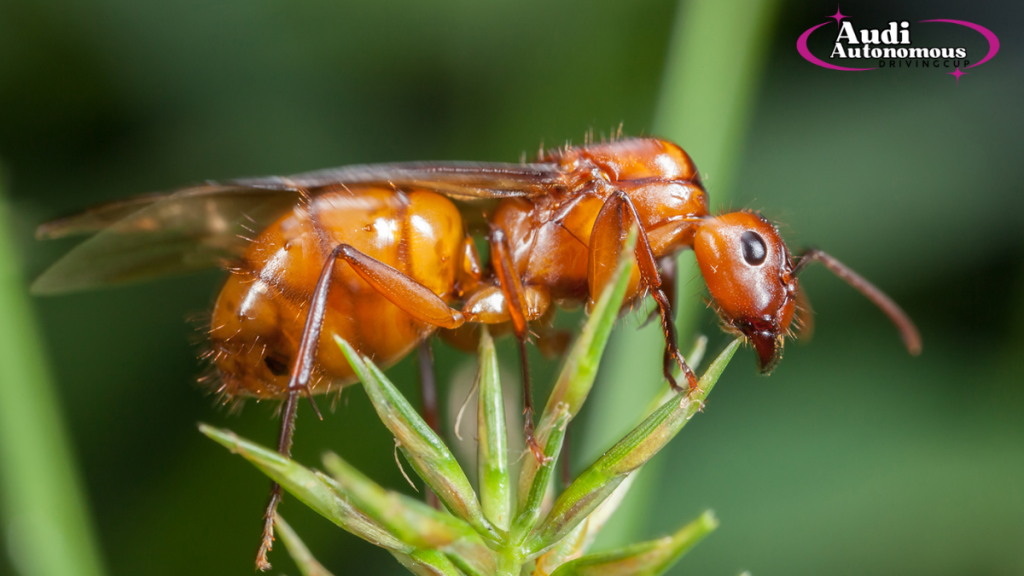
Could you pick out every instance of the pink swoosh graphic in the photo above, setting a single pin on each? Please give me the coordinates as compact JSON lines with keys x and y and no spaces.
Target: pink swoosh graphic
{"x":993,"y":42}
{"x":801,"y":47}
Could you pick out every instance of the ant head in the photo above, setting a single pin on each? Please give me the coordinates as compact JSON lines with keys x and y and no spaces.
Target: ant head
{"x":749,"y":272}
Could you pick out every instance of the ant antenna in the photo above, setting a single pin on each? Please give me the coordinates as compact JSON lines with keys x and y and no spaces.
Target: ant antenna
{"x":908,"y":331}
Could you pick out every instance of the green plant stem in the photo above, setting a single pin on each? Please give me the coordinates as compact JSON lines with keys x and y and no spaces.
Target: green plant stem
{"x":50,"y":532}
{"x":711,"y":75}
{"x":643,"y":559}
{"x":510,"y":560}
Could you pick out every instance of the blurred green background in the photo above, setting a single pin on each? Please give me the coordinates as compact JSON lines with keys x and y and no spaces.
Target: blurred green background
{"x":852,"y":458}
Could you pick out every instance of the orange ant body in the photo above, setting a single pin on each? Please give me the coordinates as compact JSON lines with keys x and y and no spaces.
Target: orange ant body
{"x":555,"y":231}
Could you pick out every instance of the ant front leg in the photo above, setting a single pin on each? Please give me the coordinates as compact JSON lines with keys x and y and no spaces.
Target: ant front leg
{"x":668,"y":266}
{"x":515,"y":296}
{"x":610,"y":231}
{"x":412,"y":297}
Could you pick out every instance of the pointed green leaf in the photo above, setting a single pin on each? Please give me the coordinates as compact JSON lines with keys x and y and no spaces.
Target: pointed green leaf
{"x":577,"y":542}
{"x":580,"y":369}
{"x":427,"y":453}
{"x":599,"y":517}
{"x":309,"y":488}
{"x":599,"y":481}
{"x":526,"y":519}
{"x":568,"y":548}
{"x":492,"y":446}
{"x":645,"y":559}
{"x":413,"y":521}
{"x":409,"y":519}
{"x":427,"y":563}
{"x":308,"y":565}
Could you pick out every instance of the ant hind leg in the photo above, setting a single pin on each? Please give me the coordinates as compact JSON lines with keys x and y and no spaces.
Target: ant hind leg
{"x":405,"y":292}
{"x":428,"y":397}
{"x":515,"y":295}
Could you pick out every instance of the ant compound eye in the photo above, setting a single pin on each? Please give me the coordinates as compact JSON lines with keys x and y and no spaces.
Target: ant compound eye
{"x":754,"y":250}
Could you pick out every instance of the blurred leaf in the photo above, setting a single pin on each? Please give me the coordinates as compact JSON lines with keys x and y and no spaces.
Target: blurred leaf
{"x":307,"y":564}
{"x":48,"y":530}
{"x":721,"y":42}
{"x":644,"y":559}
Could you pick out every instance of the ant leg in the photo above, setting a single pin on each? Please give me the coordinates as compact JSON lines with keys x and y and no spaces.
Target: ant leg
{"x":469,"y":273}
{"x":512,"y":288}
{"x":409,"y":295}
{"x":428,"y":395}
{"x":428,"y":385}
{"x":298,"y":380}
{"x":668,"y":268}
{"x":284,"y":443}
{"x":566,"y":464}
{"x":412,"y":297}
{"x":528,"y":426}
{"x":672,"y":356}
{"x":610,"y":230}
{"x":283,"y":447}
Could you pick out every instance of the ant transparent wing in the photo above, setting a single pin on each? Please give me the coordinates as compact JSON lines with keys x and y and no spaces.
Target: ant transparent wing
{"x":458,"y":180}
{"x":208,"y":225}
{"x":159,"y":235}
{"x":95,"y":218}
